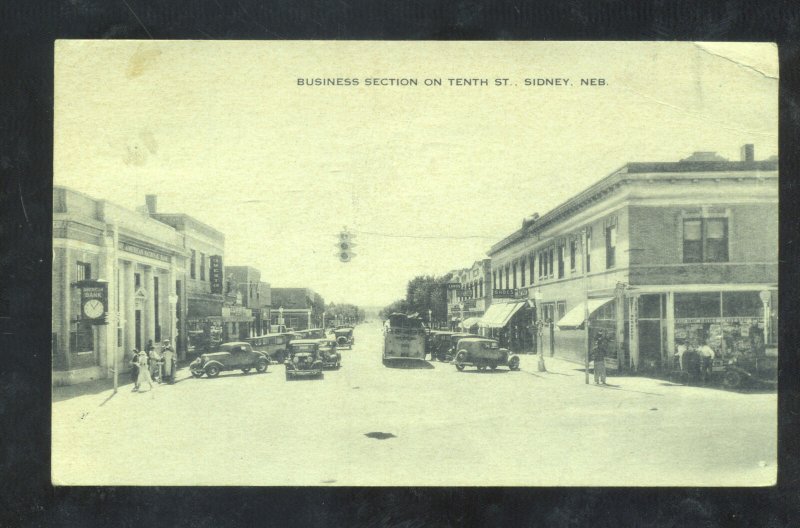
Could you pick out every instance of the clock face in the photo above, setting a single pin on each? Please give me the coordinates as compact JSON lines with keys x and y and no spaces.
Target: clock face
{"x":93,"y":309}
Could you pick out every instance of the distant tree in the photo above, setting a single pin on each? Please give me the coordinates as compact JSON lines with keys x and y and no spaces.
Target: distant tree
{"x":398,"y":306}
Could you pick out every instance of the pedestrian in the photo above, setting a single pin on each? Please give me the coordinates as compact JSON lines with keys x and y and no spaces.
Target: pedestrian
{"x":134,"y":363}
{"x":155,"y":365}
{"x":599,"y":356}
{"x":680,"y":350}
{"x":707,"y":358}
{"x":144,"y":371}
{"x":169,"y":358}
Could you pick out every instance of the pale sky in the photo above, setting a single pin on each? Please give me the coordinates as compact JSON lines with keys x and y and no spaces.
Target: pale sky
{"x":428,"y":177}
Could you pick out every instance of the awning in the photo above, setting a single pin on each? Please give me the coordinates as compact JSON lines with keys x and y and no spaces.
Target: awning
{"x":498,"y":315}
{"x":575,"y":317}
{"x":469,"y":322}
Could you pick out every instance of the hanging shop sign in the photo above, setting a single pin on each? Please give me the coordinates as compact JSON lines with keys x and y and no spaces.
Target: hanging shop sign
{"x":521,"y":293}
{"x":215,"y":273}
{"x":454,"y":286}
{"x":503,"y":293}
{"x":94,"y":301}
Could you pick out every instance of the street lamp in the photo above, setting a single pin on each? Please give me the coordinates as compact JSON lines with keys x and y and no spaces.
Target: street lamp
{"x":539,"y":326}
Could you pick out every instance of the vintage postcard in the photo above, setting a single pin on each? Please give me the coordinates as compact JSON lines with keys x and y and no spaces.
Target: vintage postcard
{"x":351,"y":263}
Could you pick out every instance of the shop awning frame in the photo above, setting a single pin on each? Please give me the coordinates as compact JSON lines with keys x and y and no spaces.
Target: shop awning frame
{"x":574,"y":318}
{"x":469,"y":322}
{"x":498,"y":315}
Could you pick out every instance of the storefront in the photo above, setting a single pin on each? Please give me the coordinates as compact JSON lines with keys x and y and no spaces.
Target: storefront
{"x":511,"y":323}
{"x":733,"y":323}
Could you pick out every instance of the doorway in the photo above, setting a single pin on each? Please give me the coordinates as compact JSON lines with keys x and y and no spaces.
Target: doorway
{"x":138,"y":329}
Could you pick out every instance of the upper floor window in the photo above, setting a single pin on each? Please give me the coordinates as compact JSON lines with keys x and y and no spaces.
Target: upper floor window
{"x":550,"y":255}
{"x":514,"y":275}
{"x":83,"y":271}
{"x":611,"y":246}
{"x":522,"y":272}
{"x":705,"y":240}
{"x":202,"y":266}
{"x":531,"y":268}
{"x":137,"y":280}
{"x":494,"y":279}
{"x":573,"y":251}
{"x":560,"y":262}
{"x":193,"y":265}
{"x":507,"y":286}
{"x":588,"y":251}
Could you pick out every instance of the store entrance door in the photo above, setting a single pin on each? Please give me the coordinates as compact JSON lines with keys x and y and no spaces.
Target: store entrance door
{"x":649,"y":345}
{"x":138,"y":330}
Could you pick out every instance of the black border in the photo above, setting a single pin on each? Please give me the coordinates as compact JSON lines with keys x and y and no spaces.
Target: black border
{"x":26,"y":64}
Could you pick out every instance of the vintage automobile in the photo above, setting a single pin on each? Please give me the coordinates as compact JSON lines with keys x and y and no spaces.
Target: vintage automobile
{"x":231,"y":356}
{"x":312,"y":333}
{"x":331,"y":358}
{"x":304,"y":359}
{"x":404,"y":342}
{"x":274,"y":345}
{"x":483,"y":353}
{"x":443,"y":344}
{"x":344,"y":336}
{"x":201,"y":341}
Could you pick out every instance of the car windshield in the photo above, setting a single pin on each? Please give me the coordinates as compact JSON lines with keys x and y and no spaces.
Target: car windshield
{"x":303,"y":347}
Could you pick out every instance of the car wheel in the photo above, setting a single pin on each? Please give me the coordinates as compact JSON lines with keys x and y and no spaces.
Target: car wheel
{"x":246,"y":370}
{"x":197,"y":373}
{"x":513,"y":363}
{"x":493,"y":366}
{"x":732,"y":380}
{"x":461,"y":357}
{"x":212,"y":371}
{"x":261,"y":366}
{"x":280,"y":356}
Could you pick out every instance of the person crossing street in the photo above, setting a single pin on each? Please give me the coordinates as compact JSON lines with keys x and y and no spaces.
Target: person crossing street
{"x":599,"y":353}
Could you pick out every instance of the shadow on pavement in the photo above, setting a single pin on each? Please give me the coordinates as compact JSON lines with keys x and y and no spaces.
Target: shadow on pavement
{"x":407,"y":363}
{"x":487,"y":371}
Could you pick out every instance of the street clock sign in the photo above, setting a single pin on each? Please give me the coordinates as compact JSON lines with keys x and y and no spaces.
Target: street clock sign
{"x":94,"y":301}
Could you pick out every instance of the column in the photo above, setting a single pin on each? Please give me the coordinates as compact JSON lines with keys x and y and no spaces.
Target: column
{"x":633,"y":328}
{"x":107,"y":333}
{"x":172,"y":301}
{"x":128,"y":307}
{"x":66,"y":311}
{"x":149,"y":307}
{"x":669,"y":323}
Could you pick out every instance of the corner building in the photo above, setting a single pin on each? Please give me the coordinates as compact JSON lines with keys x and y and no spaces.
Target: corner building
{"x":143,"y":262}
{"x":658,"y":254}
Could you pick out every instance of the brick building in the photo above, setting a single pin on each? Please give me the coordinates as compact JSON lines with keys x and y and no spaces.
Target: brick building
{"x":201,"y":288}
{"x":298,"y":308}
{"x":657,"y":254}
{"x":255,"y":296}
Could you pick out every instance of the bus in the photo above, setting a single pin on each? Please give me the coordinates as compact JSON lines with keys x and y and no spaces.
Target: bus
{"x":404,"y":339}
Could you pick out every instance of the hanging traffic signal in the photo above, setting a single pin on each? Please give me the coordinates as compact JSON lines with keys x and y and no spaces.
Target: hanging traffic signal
{"x":345,"y":246}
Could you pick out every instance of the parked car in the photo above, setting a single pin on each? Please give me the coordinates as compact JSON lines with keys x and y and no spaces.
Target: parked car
{"x":231,"y":356}
{"x":274,"y":345}
{"x":200,"y":341}
{"x":344,"y":336}
{"x":446,"y":345}
{"x":312,"y":333}
{"x":331,"y":358}
{"x":304,"y":359}
{"x":483,"y":353}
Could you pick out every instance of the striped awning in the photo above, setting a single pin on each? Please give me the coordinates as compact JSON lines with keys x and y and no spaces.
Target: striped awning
{"x":498,"y":315}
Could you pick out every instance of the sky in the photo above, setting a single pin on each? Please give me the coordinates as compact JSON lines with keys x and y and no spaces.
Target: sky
{"x":426,"y":177}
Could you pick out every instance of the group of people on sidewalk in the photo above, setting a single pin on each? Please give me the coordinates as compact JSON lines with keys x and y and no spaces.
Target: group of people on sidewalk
{"x":152,"y":364}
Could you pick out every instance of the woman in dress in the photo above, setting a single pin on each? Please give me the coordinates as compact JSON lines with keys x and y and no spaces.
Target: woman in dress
{"x":169,"y":361}
{"x":144,"y":371}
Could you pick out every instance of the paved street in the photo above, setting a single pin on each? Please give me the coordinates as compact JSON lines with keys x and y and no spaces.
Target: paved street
{"x":449,"y":428}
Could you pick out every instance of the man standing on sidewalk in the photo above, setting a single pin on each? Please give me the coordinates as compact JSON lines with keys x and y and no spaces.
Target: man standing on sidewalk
{"x":599,"y":355}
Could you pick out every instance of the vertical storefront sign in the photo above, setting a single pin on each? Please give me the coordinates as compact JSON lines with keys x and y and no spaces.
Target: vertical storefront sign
{"x":215,"y":273}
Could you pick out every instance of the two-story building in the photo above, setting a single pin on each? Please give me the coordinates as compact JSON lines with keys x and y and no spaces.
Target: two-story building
{"x":255,"y":296}
{"x":657,"y":254}
{"x":202,"y":284}
{"x":140,"y":264}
